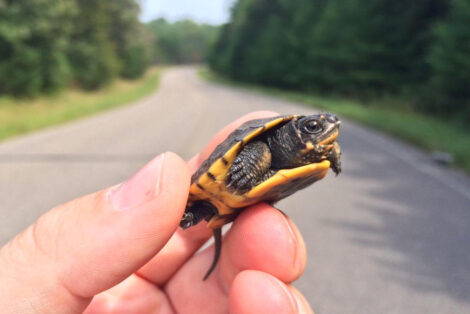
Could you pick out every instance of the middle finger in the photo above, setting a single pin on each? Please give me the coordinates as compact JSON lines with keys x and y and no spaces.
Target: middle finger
{"x":262,"y":238}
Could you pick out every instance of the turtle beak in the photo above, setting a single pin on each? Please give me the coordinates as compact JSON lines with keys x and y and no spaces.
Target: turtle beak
{"x":331,"y":124}
{"x":331,"y":138}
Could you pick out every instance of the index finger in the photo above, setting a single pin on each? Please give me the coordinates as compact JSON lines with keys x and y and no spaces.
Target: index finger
{"x":184,"y":243}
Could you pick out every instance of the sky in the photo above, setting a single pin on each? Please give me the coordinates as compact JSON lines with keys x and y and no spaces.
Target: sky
{"x":202,"y":11}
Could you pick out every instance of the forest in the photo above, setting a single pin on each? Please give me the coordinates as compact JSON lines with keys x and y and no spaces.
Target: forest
{"x":48,"y":45}
{"x":415,"y":50}
{"x":181,"y":42}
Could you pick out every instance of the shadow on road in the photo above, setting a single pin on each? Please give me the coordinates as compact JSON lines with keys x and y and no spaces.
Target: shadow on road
{"x":422,"y":225}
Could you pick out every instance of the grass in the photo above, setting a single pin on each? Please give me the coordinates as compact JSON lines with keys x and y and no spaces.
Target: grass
{"x":423,"y":131}
{"x":19,"y":116}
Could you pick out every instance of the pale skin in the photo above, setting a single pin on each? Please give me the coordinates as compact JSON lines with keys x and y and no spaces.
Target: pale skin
{"x":120,"y":250}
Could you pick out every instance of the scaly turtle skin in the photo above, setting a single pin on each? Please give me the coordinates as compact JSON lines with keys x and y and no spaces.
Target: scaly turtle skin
{"x":263,"y":160}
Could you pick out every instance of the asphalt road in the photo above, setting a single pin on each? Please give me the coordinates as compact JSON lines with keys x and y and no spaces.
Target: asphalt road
{"x":390,"y":235}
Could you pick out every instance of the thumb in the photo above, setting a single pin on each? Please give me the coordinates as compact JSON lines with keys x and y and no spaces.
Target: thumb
{"x":92,"y":243}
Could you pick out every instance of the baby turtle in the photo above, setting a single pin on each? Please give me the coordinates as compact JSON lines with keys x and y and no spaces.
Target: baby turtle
{"x":263,"y":160}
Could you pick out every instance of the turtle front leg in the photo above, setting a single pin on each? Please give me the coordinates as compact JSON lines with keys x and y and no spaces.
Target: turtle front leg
{"x":249,"y":167}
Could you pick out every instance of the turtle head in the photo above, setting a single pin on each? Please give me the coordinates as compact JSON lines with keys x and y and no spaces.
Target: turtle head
{"x":318,"y":129}
{"x":307,"y":139}
{"x":318,"y":134}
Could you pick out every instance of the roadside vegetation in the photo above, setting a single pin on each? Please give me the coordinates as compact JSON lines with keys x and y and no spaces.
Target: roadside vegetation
{"x":399,"y":66}
{"x":365,"y":50}
{"x":180,"y":42}
{"x":392,"y":117}
{"x":402,"y":67}
{"x":19,"y":116}
{"x":65,"y":59}
{"x":49,"y":45}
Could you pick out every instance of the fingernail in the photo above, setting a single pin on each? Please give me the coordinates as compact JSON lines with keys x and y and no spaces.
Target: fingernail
{"x":140,"y":188}
{"x":301,"y":304}
{"x":293,"y":300}
{"x":295,"y":240}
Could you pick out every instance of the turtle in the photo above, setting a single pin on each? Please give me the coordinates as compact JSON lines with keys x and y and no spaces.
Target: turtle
{"x":263,"y":160}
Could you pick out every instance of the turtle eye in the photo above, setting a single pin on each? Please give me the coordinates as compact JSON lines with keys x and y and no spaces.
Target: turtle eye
{"x":312,"y":127}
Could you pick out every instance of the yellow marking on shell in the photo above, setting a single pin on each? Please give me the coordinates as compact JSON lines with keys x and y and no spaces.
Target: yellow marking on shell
{"x":219,"y":221}
{"x":226,"y":201}
{"x":215,"y":190}
{"x":319,"y":169}
{"x":275,"y":122}
{"x":233,"y":152}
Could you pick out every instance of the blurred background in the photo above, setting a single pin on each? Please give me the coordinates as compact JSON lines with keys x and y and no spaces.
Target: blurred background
{"x":390,"y":235}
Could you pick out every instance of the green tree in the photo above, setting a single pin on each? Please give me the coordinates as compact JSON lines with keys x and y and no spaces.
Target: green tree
{"x":373,"y":46}
{"x":240,"y":50}
{"x":449,"y":88}
{"x":93,"y":55}
{"x":33,"y":44}
{"x":46,"y":43}
{"x":217,"y":55}
{"x":281,"y":33}
{"x":266,"y":41}
{"x":353,"y":47}
{"x":129,"y":37}
{"x":136,"y":58}
{"x":180,"y":42}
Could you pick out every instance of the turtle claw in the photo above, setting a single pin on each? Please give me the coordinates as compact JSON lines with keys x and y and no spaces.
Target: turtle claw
{"x":335,"y":158}
{"x":187,"y":220}
{"x":196,"y":212}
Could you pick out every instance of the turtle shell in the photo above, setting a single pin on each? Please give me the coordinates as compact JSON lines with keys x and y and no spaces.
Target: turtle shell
{"x":208,"y":182}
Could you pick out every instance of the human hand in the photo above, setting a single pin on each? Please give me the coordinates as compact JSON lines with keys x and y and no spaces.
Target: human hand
{"x":120,"y":251}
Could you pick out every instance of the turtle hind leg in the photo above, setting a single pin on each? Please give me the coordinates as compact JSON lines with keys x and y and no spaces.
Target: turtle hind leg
{"x":218,"y":245}
{"x":196,"y":212}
